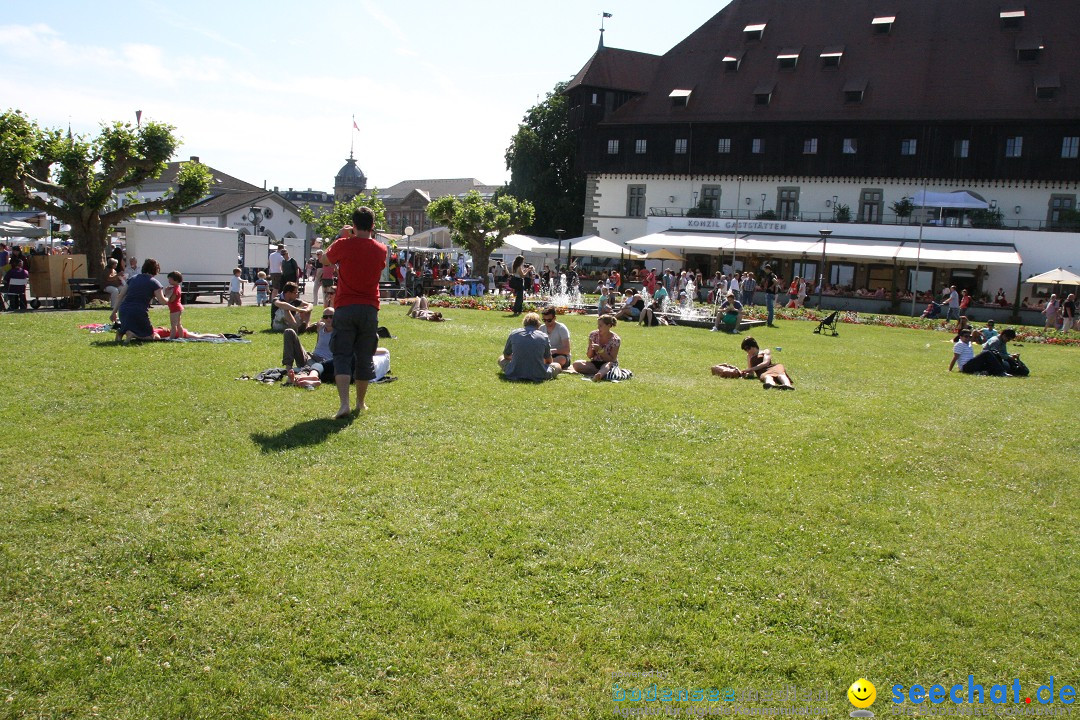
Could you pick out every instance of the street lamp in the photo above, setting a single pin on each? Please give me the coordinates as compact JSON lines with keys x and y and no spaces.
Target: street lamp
{"x":408,"y":237}
{"x":558,"y":253}
{"x":735,"y":245}
{"x":821,"y":273}
{"x":762,"y":203}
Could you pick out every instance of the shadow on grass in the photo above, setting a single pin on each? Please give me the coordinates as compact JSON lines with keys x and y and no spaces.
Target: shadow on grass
{"x":308,"y":432}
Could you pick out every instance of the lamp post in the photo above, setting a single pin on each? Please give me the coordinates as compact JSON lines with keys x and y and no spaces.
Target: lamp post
{"x":558,"y":253}
{"x":762,"y":203}
{"x":821,"y":273}
{"x":735,"y":245}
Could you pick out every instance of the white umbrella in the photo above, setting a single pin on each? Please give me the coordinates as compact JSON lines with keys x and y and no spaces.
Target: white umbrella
{"x":596,"y":246}
{"x":1057,"y":276}
{"x":18,"y":228}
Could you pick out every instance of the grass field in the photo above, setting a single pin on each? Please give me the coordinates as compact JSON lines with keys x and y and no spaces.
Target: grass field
{"x":177,"y":544}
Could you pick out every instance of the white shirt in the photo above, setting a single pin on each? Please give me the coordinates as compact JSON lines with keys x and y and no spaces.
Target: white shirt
{"x":275,"y":262}
{"x":234,"y":284}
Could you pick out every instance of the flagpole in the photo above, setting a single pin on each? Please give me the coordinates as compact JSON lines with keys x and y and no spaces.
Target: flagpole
{"x":352,"y":135}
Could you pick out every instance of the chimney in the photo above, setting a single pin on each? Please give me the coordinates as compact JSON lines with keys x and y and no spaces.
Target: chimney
{"x":194,"y":158}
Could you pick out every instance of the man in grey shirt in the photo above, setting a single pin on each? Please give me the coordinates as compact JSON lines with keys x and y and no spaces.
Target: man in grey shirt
{"x":527,"y":355}
{"x":558,"y":338}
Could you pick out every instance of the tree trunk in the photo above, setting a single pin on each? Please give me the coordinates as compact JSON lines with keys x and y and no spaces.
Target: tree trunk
{"x":480,"y":262}
{"x":88,"y":235}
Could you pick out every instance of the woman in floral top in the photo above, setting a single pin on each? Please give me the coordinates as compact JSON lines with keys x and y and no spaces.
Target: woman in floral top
{"x":603,"y":352}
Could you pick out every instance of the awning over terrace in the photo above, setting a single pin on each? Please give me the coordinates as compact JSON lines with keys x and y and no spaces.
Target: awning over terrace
{"x":908,"y":251}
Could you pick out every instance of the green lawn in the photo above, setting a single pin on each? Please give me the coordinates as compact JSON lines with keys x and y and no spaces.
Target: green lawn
{"x":177,"y":544}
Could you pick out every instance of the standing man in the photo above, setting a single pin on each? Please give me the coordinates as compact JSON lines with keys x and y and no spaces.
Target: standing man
{"x":772,"y":286}
{"x":360,"y":259}
{"x":1068,"y":313}
{"x":954,"y":303}
{"x":275,"y":270}
{"x":317,"y":277}
{"x":290,"y":269}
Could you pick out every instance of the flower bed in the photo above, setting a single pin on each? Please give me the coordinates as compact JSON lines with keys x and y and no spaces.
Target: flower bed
{"x":503,"y":303}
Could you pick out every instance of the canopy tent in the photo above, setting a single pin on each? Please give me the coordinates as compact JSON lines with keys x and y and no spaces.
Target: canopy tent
{"x":528,"y":244}
{"x":960,"y":199}
{"x":596,"y":246}
{"x":18,"y":228}
{"x":1057,"y":276}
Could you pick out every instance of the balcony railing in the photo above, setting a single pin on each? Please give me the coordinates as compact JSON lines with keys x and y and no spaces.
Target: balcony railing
{"x":828,"y":216}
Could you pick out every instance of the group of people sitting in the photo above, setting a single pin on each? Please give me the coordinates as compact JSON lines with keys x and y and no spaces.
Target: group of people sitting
{"x":540,"y":350}
{"x":994,"y":359}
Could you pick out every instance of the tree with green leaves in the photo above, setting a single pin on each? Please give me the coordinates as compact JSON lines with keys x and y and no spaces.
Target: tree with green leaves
{"x":327,"y":225}
{"x":542,"y":160}
{"x":74,"y":178}
{"x":479,"y":225}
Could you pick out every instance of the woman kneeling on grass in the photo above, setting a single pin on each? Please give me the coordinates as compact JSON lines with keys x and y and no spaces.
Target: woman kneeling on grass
{"x":603,"y":352}
{"x":759,"y":362}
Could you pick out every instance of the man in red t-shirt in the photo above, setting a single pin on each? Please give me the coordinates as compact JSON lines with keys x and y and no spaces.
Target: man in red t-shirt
{"x":360,"y":260}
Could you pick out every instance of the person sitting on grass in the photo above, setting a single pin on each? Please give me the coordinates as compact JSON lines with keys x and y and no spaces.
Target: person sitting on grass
{"x":558,"y":338}
{"x":176,"y":304}
{"x":985,"y":363}
{"x":631,"y":307}
{"x":290,"y":311}
{"x":134,"y":303}
{"x":652,"y":315}
{"x":293,"y":352}
{"x":1011,"y":361}
{"x":527,"y":353}
{"x":603,"y":353}
{"x":728,"y":315}
{"x":419,"y":310}
{"x":759,"y":362}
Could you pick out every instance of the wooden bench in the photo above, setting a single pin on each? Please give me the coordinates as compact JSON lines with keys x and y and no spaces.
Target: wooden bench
{"x":191,"y":290}
{"x":83,"y":290}
{"x":744,"y":324}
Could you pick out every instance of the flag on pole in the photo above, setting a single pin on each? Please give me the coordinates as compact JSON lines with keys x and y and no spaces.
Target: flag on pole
{"x":607,"y":14}
{"x":355,"y":127}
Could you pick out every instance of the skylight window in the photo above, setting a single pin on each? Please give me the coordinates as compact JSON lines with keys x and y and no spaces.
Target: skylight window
{"x":1046,"y":86}
{"x":763,"y":92}
{"x":754,"y":32}
{"x":732,"y":61}
{"x":1027,"y":50}
{"x":883,"y":24}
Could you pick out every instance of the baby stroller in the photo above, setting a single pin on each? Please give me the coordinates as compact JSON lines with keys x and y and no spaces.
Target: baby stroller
{"x":828,"y":325}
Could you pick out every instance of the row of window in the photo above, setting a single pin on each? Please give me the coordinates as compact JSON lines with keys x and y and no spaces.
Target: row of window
{"x":1014,"y":147}
{"x":870,"y":207}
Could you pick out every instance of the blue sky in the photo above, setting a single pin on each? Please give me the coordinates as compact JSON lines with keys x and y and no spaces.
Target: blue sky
{"x":266,"y":91}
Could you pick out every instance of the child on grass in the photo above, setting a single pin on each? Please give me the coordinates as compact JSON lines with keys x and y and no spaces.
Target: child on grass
{"x":176,"y":306}
{"x":262,"y":290}
{"x":236,"y":289}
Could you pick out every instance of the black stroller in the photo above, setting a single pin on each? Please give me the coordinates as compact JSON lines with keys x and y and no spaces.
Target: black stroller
{"x":828,"y":325}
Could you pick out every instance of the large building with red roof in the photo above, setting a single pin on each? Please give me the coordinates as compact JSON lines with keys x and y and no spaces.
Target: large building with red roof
{"x":800,"y":112}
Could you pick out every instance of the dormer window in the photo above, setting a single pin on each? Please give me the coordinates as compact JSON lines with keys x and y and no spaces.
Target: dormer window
{"x":788,"y":58}
{"x":1047,"y":86}
{"x":680,"y":98}
{"x":1012,"y":19}
{"x":882,"y":25}
{"x":854,"y":90}
{"x":830,"y":56}
{"x":753,"y":32}
{"x":732,"y":61}
{"x":763,"y":92}
{"x":1028,"y":51}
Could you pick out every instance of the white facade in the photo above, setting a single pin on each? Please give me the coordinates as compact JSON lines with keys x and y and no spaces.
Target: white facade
{"x":282,"y":221}
{"x":609,"y":204}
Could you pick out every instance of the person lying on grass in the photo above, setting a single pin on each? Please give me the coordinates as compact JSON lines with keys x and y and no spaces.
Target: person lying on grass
{"x":419,"y":310}
{"x":759,"y":363}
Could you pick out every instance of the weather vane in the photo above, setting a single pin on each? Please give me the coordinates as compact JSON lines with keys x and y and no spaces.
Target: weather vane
{"x":603,"y":16}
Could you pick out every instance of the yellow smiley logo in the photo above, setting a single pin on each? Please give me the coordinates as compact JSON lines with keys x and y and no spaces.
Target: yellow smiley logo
{"x":862,"y":693}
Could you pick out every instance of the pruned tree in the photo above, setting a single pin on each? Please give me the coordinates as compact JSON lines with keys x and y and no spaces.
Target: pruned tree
{"x":74,"y":178}
{"x":481,"y":226}
{"x":328,"y":224}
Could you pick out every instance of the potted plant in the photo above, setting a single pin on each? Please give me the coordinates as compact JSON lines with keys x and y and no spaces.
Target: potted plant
{"x":843,"y":213}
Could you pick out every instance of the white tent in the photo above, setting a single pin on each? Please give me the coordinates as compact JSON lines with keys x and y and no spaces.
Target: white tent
{"x":1057,"y":276}
{"x":18,"y":228}
{"x":596,"y":246}
{"x":527,"y":244}
{"x":960,"y":200}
